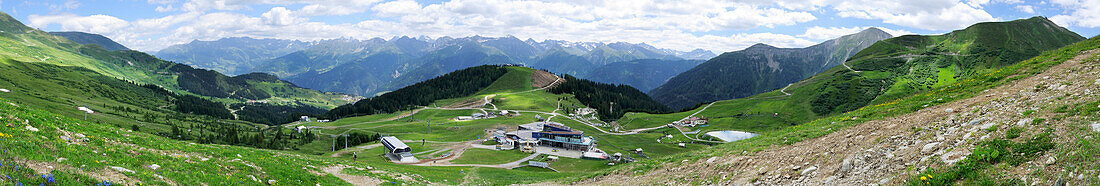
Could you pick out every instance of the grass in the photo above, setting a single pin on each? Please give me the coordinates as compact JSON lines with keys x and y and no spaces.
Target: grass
{"x":945,"y":76}
{"x":988,"y":153}
{"x":964,"y":88}
{"x":489,"y":157}
{"x":107,"y":146}
{"x":517,"y":79}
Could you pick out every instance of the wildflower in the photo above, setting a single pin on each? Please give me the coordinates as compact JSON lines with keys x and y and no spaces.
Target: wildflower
{"x":923,"y":178}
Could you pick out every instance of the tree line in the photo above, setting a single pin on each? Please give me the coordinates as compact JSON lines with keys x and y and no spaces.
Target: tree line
{"x":451,"y":85}
{"x":601,"y":95}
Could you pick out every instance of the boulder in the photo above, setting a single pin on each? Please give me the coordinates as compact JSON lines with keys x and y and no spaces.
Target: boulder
{"x":929,"y":148}
{"x":809,"y":170}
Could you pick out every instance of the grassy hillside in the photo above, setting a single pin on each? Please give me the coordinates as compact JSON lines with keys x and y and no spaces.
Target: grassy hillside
{"x":89,"y":38}
{"x":758,"y":69}
{"x":1001,"y":157}
{"x":451,"y":85}
{"x":887,"y":70}
{"x":26,"y":44}
{"x":514,"y":90}
{"x":965,"y":87}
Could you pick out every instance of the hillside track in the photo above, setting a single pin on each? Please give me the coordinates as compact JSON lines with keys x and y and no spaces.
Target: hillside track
{"x":890,"y":150}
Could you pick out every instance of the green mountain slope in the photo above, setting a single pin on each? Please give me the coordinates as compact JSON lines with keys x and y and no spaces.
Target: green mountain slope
{"x":905,"y":65}
{"x":611,"y":101}
{"x":89,"y":38}
{"x":1009,"y":111}
{"x":758,"y":69}
{"x":31,"y":45}
{"x":880,"y":79}
{"x":644,"y":74}
{"x":451,"y":85}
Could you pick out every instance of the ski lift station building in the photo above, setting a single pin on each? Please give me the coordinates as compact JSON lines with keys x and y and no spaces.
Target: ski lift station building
{"x":394,"y":145}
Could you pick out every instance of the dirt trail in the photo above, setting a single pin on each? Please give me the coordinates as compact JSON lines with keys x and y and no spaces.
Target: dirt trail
{"x":352,"y":179}
{"x":543,"y":79}
{"x":102,"y":175}
{"x":890,"y":150}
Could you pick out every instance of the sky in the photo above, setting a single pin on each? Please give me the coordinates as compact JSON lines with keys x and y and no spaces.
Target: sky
{"x":720,"y":26}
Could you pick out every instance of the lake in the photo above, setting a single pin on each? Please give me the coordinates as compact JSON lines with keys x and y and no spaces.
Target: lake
{"x":731,"y":135}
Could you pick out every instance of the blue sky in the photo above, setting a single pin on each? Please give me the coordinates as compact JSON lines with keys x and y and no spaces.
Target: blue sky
{"x":151,"y":25}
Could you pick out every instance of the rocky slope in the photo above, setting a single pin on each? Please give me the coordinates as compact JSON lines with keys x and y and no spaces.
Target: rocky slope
{"x":910,"y":148}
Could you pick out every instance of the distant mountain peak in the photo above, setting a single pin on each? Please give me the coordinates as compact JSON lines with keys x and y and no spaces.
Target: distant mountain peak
{"x":872,"y":30}
{"x":760,"y":46}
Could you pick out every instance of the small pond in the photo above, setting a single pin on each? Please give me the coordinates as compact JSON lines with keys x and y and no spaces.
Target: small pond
{"x":731,"y":135}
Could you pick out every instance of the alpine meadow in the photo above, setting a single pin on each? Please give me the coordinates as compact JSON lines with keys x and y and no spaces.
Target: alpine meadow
{"x":531,"y":92}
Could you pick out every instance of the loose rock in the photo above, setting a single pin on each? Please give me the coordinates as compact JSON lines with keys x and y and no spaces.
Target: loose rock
{"x":929,"y":148}
{"x":809,"y":170}
{"x":120,"y":169}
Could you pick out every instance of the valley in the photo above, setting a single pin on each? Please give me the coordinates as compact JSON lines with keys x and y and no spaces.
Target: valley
{"x":993,"y":103}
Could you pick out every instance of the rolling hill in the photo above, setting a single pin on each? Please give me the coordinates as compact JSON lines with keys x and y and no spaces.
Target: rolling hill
{"x":759,"y":68}
{"x":155,"y":122}
{"x":25,"y":47}
{"x":89,"y":38}
{"x":841,"y":90}
{"x":989,"y":128}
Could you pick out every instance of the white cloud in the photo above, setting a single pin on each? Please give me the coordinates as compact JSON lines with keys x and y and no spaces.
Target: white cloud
{"x":1082,"y":13}
{"x":280,"y":16}
{"x":1025,"y":9}
{"x":71,"y":4}
{"x":931,"y":15}
{"x":923,"y":14}
{"x":681,"y":25}
{"x":830,"y":32}
{"x":396,"y":8}
{"x":894,"y":32}
{"x":93,"y":23}
{"x":168,"y":8}
{"x":835,"y":32}
{"x":336,"y":7}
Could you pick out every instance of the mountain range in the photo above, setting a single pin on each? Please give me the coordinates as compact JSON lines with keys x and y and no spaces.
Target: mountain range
{"x":981,"y":105}
{"x":643,"y":74}
{"x":233,"y":56}
{"x":174,"y":85}
{"x":372,"y":66}
{"x":759,"y":68}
